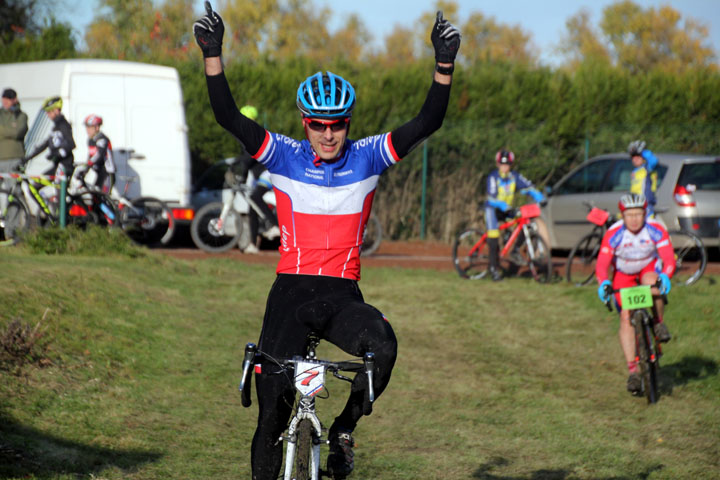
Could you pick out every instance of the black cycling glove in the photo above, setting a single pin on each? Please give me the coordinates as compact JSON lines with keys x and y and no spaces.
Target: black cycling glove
{"x":209,"y":32}
{"x":445,"y":39}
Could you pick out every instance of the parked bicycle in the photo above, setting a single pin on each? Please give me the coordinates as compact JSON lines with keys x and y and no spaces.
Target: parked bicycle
{"x":371,"y":237}
{"x":690,"y":252}
{"x":146,"y":220}
{"x":521,"y":247}
{"x":647,"y":348}
{"x":32,"y":201}
{"x":304,"y":434}
{"x":90,"y":203}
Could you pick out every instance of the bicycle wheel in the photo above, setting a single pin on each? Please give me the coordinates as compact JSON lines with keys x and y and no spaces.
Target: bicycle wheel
{"x":538,"y":257}
{"x":17,"y":221}
{"x":646,"y":359}
{"x":690,"y":257}
{"x":209,"y":235}
{"x":372,"y":236}
{"x":470,"y":257}
{"x":147,"y":221}
{"x":302,"y":453}
{"x":79,"y":213}
{"x":580,"y":266}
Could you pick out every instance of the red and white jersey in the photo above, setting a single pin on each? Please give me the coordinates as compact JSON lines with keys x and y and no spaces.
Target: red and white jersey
{"x":631,"y":252}
{"x":323,"y":208}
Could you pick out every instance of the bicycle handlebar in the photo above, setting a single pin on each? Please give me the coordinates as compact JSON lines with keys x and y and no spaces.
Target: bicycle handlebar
{"x":252,"y":352}
{"x":609,"y":291}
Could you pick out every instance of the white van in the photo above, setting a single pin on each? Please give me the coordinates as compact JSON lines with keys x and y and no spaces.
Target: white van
{"x":143,"y":115}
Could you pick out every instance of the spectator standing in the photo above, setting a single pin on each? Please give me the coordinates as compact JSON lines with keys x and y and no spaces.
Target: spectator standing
{"x":13,"y":127}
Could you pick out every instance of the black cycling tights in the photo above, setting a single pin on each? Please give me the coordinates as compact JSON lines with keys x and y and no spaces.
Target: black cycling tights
{"x":333,"y":308}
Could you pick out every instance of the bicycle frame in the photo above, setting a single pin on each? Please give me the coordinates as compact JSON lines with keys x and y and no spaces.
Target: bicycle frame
{"x":520,"y":224}
{"x":308,"y":381}
{"x":31,"y":194}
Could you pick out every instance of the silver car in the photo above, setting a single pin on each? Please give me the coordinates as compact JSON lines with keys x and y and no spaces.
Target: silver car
{"x":688,"y":195}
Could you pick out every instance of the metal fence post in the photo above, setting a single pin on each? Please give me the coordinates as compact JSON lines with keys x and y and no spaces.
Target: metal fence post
{"x":63,"y":206}
{"x":424,"y":190}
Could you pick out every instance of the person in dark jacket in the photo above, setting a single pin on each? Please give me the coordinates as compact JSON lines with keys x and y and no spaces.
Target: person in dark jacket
{"x":13,"y":127}
{"x":60,"y":143}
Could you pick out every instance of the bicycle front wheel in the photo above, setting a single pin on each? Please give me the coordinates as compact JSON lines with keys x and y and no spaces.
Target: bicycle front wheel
{"x":148,"y":221}
{"x":211,"y":234}
{"x":303,"y":464}
{"x":371,"y":237}
{"x":690,"y":257}
{"x":539,"y":259}
{"x":470,"y":254}
{"x":580,"y":266}
{"x":648,"y":361}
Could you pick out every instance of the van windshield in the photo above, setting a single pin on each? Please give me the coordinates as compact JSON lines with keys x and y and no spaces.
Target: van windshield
{"x":39,"y":131}
{"x":704,"y":176}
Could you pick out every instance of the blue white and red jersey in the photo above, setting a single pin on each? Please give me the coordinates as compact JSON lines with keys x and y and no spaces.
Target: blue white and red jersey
{"x":323,"y":208}
{"x":631,"y":252}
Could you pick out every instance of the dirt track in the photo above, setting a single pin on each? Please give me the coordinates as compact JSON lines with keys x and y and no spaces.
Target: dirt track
{"x":412,"y":254}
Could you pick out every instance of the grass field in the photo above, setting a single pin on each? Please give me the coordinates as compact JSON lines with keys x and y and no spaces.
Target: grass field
{"x":494,"y":381}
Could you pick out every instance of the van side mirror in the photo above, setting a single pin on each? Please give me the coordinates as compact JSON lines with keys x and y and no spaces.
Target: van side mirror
{"x":548,"y":190}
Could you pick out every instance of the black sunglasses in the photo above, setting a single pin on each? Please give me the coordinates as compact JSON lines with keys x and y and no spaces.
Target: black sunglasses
{"x":322,"y":125}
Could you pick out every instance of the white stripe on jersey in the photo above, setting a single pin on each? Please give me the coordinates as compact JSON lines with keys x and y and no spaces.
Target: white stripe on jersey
{"x":318,"y":199}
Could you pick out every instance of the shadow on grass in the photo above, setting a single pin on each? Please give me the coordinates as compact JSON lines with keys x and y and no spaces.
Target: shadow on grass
{"x":26,"y":452}
{"x":484,"y":473}
{"x":688,"y":369}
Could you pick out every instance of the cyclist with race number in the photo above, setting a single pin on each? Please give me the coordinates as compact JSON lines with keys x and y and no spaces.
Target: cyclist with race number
{"x":324,"y":187}
{"x":502,"y":183}
{"x":640,"y":251}
{"x":643,"y":178}
{"x":100,"y":158}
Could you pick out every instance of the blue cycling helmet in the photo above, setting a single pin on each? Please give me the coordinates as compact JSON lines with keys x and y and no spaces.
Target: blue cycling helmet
{"x":325,"y":95}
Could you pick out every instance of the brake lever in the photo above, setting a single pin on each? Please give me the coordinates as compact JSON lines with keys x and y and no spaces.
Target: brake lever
{"x":369,"y":360}
{"x":248,"y":360}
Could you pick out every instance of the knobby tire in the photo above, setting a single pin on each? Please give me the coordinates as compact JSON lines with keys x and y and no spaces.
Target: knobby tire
{"x":302,"y":452}
{"x":540,"y":263}
{"x":148,"y":221}
{"x":372,"y":236}
{"x":469,"y":264}
{"x":207,"y":237}
{"x":648,"y":367}
{"x":580,"y":266}
{"x":690,"y":257}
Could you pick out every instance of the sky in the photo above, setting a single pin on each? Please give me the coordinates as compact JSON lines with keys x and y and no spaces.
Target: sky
{"x":543,"y":19}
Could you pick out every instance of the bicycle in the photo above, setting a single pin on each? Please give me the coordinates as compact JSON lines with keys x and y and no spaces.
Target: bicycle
{"x":89,"y":203}
{"x":304,"y":433}
{"x":647,"y":349}
{"x":372,"y":236}
{"x":690,"y":252}
{"x":146,"y":220}
{"x":471,"y":255}
{"x":28,"y":208}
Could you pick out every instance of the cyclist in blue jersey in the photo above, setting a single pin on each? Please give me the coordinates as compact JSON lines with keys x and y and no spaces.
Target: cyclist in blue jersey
{"x":324,"y":187}
{"x":643,"y":178}
{"x":502,"y":183}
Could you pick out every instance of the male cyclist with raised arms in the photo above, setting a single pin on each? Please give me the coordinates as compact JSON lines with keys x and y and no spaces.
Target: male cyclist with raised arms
{"x":640,"y":251}
{"x":643,"y":178}
{"x":502,"y":183}
{"x":324,"y":187}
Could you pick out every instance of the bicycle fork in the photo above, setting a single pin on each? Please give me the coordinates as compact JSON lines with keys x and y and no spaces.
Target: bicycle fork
{"x":306,"y":411}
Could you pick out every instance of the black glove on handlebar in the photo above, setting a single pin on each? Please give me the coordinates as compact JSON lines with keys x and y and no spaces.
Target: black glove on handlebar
{"x":445,"y":39}
{"x":209,"y":32}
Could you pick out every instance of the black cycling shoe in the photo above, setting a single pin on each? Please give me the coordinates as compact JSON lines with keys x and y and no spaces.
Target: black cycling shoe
{"x":661,"y":333}
{"x":634,"y":384}
{"x":495,"y":274}
{"x":340,"y":460}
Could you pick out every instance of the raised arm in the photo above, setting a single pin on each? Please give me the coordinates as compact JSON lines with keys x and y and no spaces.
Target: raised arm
{"x":209,"y":32}
{"x":446,"y":41}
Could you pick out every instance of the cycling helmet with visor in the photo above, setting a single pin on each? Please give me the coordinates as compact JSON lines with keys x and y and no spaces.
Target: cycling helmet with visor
{"x":636,"y":148}
{"x":325,"y":96}
{"x":52,"y":103}
{"x":93,"y":120}
{"x":632,"y":200}
{"x":504,"y":157}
